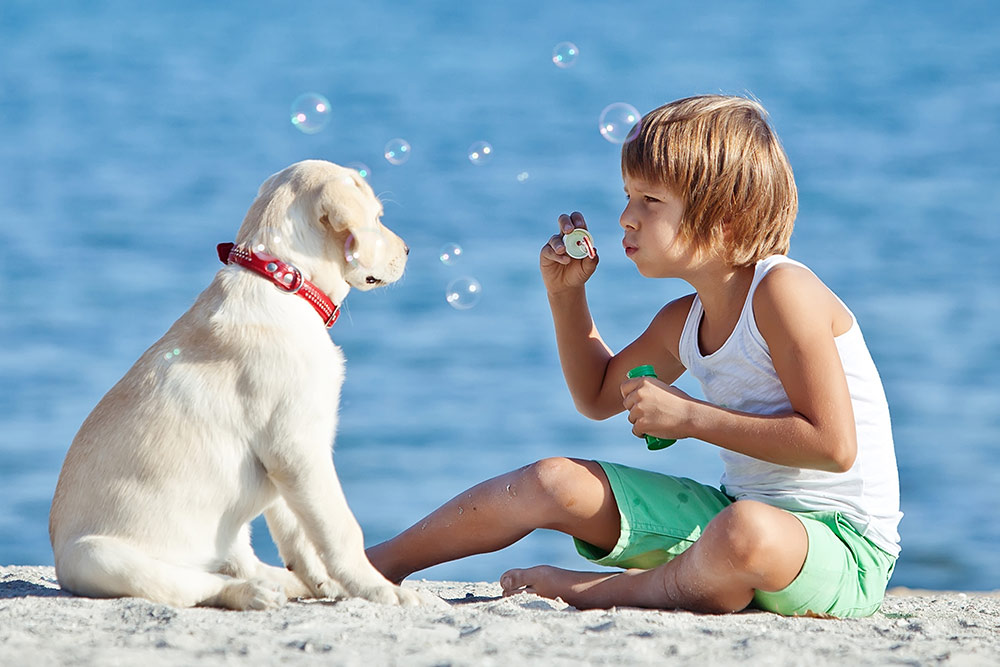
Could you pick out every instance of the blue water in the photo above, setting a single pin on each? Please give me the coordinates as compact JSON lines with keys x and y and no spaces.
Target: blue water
{"x":133,"y":137}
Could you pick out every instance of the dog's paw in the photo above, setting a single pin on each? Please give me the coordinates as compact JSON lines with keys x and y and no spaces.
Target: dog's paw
{"x":392,"y":595}
{"x":329,"y":589}
{"x":257,"y":595}
{"x":413,"y":598}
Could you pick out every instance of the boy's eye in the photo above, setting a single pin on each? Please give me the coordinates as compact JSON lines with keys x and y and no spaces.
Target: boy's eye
{"x":648,"y":198}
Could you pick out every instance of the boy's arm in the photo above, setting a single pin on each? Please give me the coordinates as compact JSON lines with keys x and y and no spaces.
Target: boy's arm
{"x":798,"y":318}
{"x":593,"y":373}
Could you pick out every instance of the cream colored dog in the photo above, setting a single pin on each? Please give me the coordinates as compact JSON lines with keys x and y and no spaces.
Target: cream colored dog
{"x":230,"y":414}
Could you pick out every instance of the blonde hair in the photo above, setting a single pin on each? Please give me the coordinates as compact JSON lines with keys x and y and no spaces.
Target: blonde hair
{"x":720,"y":156}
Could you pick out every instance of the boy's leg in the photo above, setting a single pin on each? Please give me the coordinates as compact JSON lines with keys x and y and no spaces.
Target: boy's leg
{"x":568,"y":495}
{"x":748,"y":546}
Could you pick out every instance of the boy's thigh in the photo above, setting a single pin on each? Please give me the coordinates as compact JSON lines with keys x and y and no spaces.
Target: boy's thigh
{"x":844,"y":574}
{"x":661,"y":516}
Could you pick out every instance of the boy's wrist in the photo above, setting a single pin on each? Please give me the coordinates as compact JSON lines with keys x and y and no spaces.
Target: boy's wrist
{"x":566,"y":293}
{"x":698,"y":418}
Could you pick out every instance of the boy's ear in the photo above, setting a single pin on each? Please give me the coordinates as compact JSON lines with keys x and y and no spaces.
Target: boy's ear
{"x":726,"y":236}
{"x":727,"y":230}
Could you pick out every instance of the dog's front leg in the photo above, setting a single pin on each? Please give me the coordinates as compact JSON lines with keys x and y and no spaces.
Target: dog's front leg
{"x":297,"y":551}
{"x":310,"y":487}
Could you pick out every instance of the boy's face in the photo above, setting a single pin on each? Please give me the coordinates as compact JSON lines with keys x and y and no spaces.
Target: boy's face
{"x":652,"y":221}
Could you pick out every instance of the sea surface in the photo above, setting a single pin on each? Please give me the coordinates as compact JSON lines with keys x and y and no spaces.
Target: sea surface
{"x":133,"y":137}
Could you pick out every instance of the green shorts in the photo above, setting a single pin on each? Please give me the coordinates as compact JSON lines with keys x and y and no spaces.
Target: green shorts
{"x":844,"y":574}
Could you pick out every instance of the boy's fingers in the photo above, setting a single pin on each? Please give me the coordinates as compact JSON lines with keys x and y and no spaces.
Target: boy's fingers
{"x":630,"y":385}
{"x":574,"y":220}
{"x":552,"y":252}
{"x":556,"y":244}
{"x":565,"y":224}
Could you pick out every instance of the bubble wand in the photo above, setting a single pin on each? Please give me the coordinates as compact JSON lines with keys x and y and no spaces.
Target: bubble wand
{"x":579,"y":244}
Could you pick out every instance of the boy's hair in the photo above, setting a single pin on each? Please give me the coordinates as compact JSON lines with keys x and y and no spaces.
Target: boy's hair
{"x":720,"y":156}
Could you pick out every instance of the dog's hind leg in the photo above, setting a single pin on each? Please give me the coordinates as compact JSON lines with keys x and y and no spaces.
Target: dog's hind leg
{"x":107,"y":567}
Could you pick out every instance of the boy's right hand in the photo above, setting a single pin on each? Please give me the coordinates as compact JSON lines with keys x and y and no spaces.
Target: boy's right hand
{"x":559,"y":270}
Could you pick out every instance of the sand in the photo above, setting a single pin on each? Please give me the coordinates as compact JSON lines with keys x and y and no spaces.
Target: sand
{"x":470,"y":624}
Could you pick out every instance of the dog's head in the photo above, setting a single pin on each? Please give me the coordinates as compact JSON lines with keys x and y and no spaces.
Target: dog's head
{"x":325,"y":219}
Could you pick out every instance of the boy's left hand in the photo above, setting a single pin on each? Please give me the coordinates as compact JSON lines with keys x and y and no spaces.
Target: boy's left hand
{"x":657,"y":409}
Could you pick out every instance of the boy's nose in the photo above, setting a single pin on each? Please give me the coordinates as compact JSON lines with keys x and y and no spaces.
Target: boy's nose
{"x":626,"y":219}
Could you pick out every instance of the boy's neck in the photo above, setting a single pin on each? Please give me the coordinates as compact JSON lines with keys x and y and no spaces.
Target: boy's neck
{"x":722,"y":290}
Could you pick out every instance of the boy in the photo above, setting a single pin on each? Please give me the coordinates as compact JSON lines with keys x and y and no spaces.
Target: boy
{"x":806,"y":517}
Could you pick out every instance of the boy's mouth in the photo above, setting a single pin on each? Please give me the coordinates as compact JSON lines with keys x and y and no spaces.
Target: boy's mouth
{"x":629,"y":248}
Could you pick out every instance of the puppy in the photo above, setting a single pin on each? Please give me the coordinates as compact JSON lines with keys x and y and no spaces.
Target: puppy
{"x":232,"y":413}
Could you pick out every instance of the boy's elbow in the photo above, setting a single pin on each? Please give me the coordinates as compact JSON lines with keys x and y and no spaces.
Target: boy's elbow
{"x":593,"y":410}
{"x":843,"y":458}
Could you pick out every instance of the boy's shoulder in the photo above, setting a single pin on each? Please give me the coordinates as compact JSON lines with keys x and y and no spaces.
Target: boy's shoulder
{"x":677,"y":310}
{"x":791,"y":292}
{"x":791,"y":280}
{"x":669,"y":322}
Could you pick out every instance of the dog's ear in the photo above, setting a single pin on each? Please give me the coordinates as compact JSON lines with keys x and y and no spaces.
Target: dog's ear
{"x":347,"y":205}
{"x":346,"y":201}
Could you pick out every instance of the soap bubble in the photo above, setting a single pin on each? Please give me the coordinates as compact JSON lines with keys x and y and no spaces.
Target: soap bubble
{"x":522,"y":177}
{"x":365,"y":248}
{"x":463,"y":293}
{"x":310,"y":112}
{"x":397,"y":151}
{"x":361,"y":168}
{"x":618,"y":122}
{"x":172,"y":354}
{"x":480,"y":153}
{"x":269,"y":241}
{"x":564,"y":54}
{"x":450,"y":253}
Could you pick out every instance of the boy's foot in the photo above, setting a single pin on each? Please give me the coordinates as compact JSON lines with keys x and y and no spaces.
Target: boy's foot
{"x":575,"y":588}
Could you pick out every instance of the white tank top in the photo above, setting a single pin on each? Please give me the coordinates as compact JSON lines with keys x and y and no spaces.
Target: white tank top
{"x":740,"y":376}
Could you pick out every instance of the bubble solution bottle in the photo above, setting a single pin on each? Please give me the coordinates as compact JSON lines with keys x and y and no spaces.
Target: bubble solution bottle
{"x":651,"y":442}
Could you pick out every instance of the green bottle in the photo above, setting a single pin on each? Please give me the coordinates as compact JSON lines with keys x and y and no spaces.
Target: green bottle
{"x":652,"y":442}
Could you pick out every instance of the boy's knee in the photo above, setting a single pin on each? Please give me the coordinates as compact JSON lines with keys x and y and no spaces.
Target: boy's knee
{"x":555,"y":479}
{"x":744,"y":530}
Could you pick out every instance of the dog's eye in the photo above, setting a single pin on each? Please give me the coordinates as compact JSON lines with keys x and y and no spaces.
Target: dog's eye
{"x":371,"y":280}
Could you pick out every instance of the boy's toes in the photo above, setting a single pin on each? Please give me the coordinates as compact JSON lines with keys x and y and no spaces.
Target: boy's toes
{"x":517,"y":581}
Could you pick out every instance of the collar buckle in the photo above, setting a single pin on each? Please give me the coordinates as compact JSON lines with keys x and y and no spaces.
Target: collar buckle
{"x":287,"y":277}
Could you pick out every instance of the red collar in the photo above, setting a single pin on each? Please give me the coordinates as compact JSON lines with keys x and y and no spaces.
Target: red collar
{"x":285,"y":276}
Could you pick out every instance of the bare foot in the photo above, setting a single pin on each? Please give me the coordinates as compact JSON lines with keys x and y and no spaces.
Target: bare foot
{"x":575,"y":588}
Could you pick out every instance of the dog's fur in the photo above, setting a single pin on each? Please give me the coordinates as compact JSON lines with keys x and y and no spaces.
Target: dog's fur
{"x":159,"y":485}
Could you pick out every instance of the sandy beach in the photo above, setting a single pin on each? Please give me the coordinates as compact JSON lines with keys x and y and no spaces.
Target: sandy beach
{"x":470,"y":624}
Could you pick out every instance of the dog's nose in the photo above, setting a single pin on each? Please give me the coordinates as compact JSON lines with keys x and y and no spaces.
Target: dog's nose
{"x":406,"y":248}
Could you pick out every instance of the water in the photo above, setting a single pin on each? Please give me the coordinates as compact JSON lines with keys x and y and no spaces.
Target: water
{"x":134,"y":138}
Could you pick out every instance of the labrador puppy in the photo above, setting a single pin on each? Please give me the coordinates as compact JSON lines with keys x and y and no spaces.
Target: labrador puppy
{"x":232,"y":413}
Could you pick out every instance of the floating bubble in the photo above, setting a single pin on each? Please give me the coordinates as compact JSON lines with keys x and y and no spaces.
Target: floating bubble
{"x":269,"y":241}
{"x":361,"y":168}
{"x":463,"y":293}
{"x":450,"y":253}
{"x":365,"y":248}
{"x":397,"y":151}
{"x":619,"y":122}
{"x":170,"y":355}
{"x":310,"y":112}
{"x":522,"y":177}
{"x":480,"y":153}
{"x":564,"y":54}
